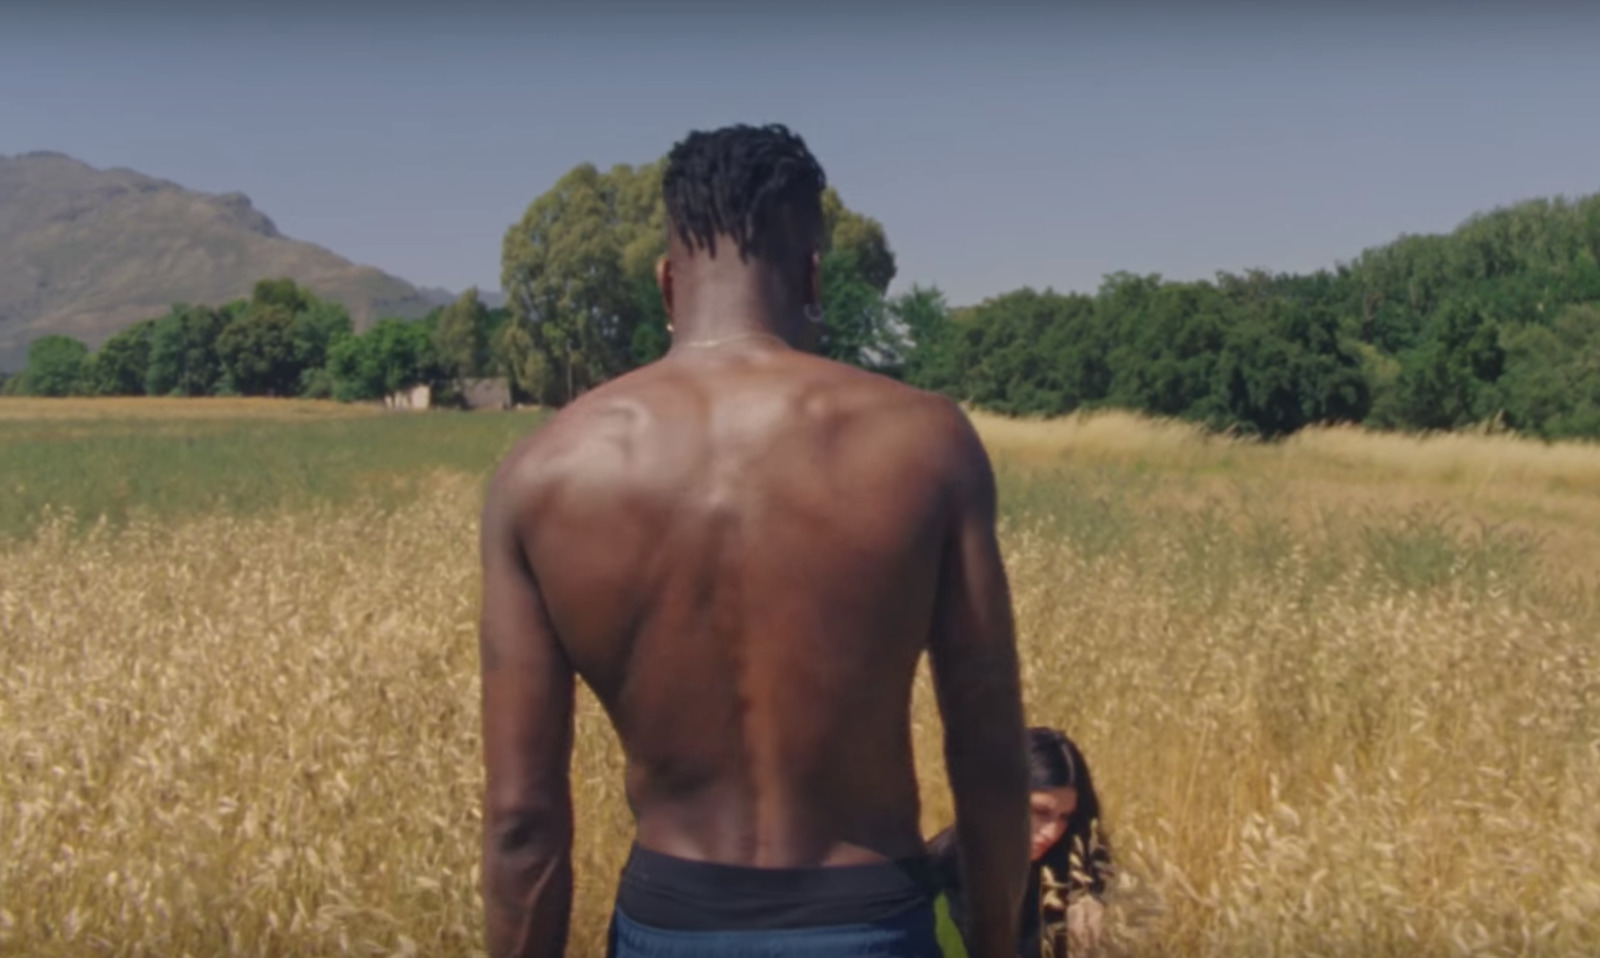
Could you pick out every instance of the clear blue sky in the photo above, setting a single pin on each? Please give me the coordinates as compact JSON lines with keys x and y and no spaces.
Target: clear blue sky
{"x":1008,"y":147}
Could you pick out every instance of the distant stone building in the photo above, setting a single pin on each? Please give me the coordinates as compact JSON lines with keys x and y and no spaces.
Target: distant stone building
{"x":490,"y":393}
{"x":415,"y":397}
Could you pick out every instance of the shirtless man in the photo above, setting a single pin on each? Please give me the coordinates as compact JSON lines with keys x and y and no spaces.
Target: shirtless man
{"x":743,"y":550}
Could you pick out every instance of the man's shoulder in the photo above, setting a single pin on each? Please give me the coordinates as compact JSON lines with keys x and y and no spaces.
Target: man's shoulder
{"x":936,"y":431}
{"x":586,"y":439}
{"x":891,"y":424}
{"x":927,"y":417}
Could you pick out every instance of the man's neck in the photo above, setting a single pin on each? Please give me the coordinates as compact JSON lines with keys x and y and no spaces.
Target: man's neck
{"x":754,"y":341}
{"x":719,"y":301}
{"x":729,"y":320}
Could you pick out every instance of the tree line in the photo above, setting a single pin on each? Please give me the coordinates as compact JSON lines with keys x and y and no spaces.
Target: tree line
{"x":281,"y":341}
{"x":1497,"y":321}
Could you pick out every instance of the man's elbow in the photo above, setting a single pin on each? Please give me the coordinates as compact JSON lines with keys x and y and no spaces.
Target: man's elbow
{"x":520,"y":830}
{"x":527,"y":877}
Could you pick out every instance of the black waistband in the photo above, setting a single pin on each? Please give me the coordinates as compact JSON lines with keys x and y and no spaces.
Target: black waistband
{"x":674,"y":893}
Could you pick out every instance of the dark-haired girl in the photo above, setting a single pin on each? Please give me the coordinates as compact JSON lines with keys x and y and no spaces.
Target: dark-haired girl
{"x":1070,"y":858}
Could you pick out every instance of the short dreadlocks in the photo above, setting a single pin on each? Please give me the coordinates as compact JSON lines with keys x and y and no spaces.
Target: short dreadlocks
{"x":741,"y":181}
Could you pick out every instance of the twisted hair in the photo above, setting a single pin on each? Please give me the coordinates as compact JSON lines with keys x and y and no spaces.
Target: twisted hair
{"x":740,"y":181}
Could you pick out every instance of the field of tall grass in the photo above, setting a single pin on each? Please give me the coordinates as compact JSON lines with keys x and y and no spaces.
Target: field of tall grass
{"x":1341,"y":695}
{"x":165,"y":460}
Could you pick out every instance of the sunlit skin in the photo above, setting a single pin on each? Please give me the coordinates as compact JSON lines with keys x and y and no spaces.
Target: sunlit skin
{"x":744,"y":550}
{"x":1051,"y":809}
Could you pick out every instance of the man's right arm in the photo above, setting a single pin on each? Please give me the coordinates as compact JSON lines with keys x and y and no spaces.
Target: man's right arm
{"x":527,"y":688}
{"x":973,"y":653}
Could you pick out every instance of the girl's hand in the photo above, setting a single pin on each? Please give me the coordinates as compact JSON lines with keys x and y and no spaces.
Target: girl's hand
{"x":1085,"y":921}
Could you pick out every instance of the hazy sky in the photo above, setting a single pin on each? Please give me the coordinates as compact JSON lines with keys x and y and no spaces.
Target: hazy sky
{"x":1001,"y":145}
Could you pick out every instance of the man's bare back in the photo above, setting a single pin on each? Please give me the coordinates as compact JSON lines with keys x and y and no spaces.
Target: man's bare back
{"x":739,"y":549}
{"x":744,"y":550}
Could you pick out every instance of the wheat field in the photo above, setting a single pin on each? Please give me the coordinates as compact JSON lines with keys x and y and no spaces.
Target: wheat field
{"x":1341,"y":696}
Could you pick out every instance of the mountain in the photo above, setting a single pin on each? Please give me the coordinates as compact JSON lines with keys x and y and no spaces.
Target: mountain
{"x":86,"y":252}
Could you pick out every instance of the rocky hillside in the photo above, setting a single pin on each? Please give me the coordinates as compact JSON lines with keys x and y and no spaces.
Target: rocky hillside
{"x":86,"y":252}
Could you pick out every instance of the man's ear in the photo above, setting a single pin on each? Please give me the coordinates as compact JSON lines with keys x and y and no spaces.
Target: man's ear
{"x":664,"y":280}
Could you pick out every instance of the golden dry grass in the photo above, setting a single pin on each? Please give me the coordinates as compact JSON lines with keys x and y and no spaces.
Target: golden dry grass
{"x":258,"y":735}
{"x":1461,"y":461}
{"x":1548,"y":489}
{"x":1471,"y":458}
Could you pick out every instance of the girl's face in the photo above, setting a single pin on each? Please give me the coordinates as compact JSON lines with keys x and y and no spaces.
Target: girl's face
{"x":1052,"y":808}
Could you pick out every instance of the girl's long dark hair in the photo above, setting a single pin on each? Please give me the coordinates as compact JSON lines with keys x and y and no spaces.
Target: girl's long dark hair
{"x":1055,"y":761}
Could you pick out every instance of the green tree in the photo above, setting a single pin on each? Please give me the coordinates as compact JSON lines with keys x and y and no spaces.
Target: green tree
{"x":1551,"y":386}
{"x":394,"y":354}
{"x":183,"y":353}
{"x":57,"y":366}
{"x":282,"y":292}
{"x":122,"y":363}
{"x":1167,"y":345}
{"x":317,"y":329}
{"x":461,"y":338}
{"x":922,"y":315}
{"x":565,"y":284}
{"x":579,"y":273}
{"x":1028,"y":353}
{"x":1521,"y":264}
{"x":1281,"y":369}
{"x":651,"y":340}
{"x":1447,"y":381}
{"x":1258,"y":353}
{"x":857,"y":267}
{"x":862,"y":237}
{"x":858,"y":326}
{"x":257,"y":351}
{"x":516,"y":357}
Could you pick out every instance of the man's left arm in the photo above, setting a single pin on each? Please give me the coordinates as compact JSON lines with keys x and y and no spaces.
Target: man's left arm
{"x":527,"y":686}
